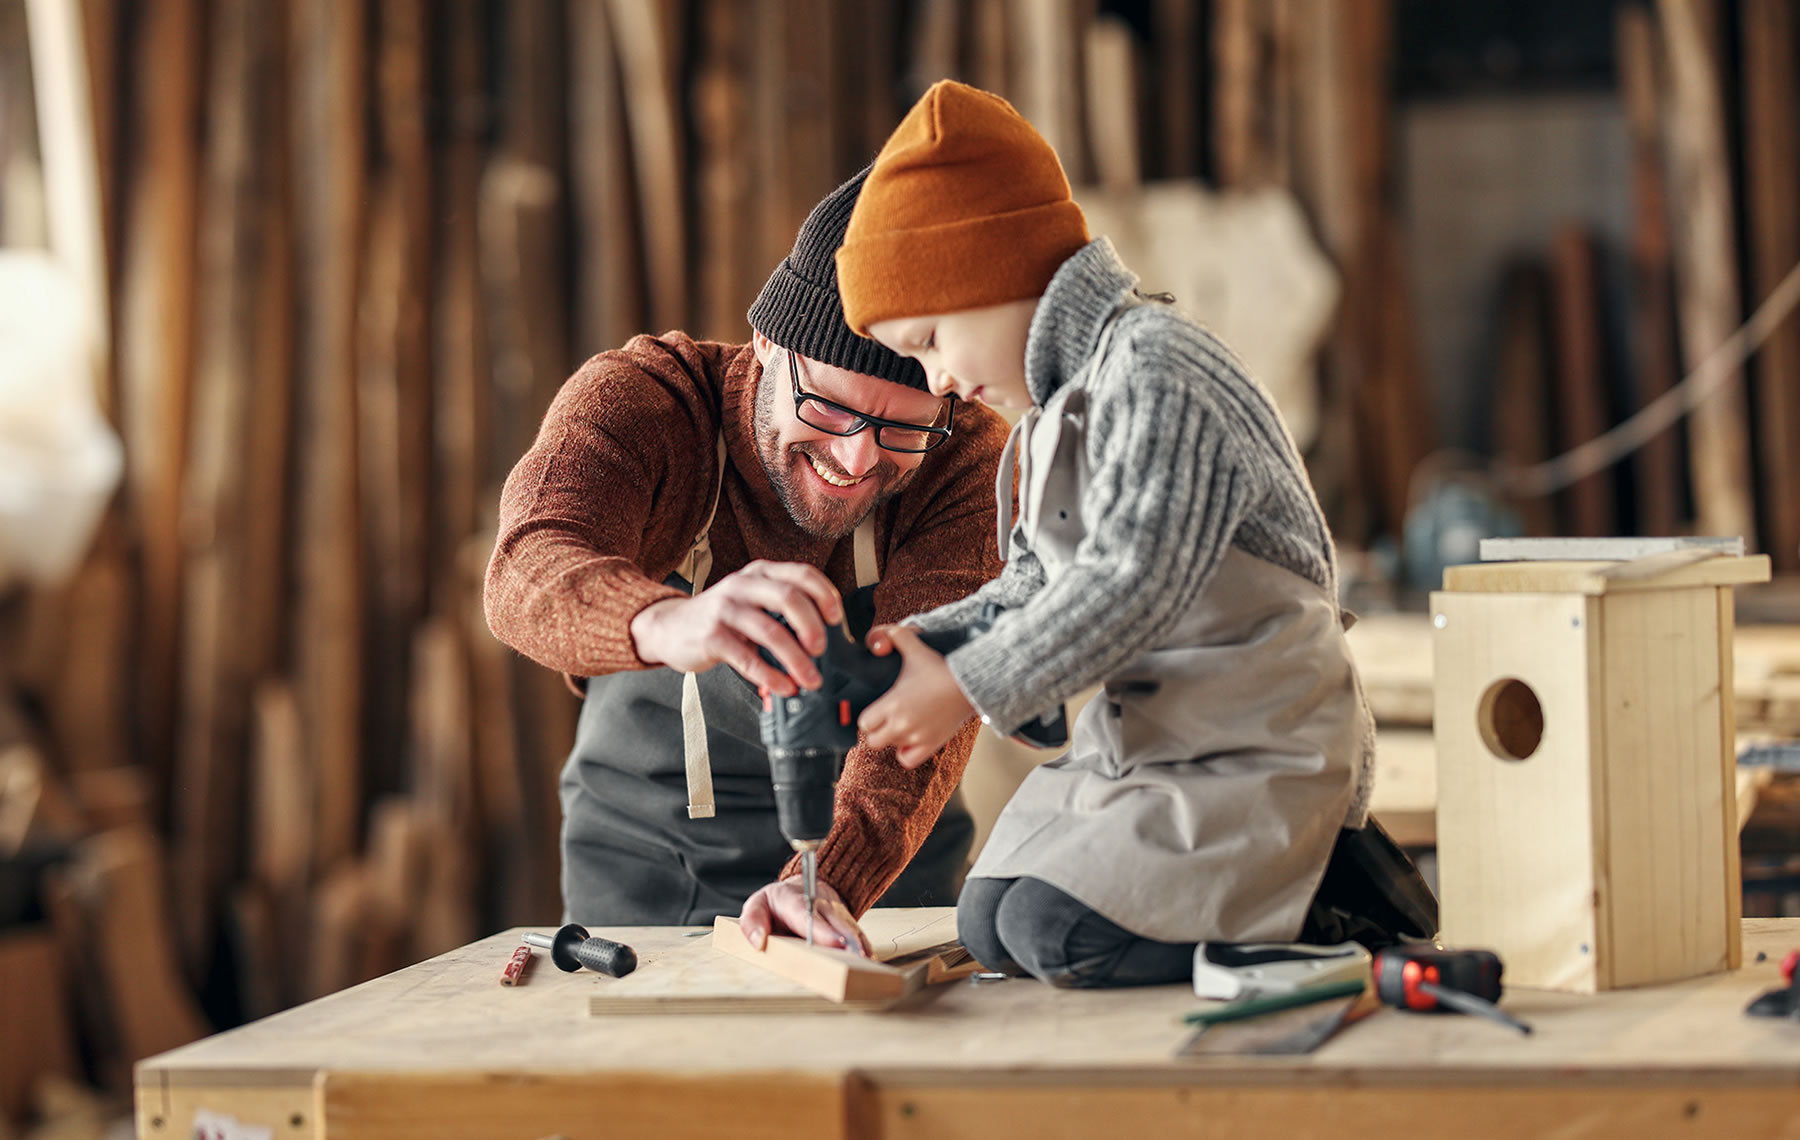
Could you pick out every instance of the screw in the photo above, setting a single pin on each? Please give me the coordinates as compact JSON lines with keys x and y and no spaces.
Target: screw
{"x":1575,"y":623}
{"x":296,"y":1120}
{"x":1439,"y":620}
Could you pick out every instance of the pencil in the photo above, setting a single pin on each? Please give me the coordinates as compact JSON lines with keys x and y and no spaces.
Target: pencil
{"x":514,"y":974}
{"x":1257,"y":1006}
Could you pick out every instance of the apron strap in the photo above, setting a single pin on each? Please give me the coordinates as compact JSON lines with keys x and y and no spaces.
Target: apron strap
{"x":698,"y":761}
{"x":1003,"y":480}
{"x":866,"y":572}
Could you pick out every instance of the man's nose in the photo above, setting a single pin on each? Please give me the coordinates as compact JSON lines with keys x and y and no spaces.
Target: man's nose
{"x":857,"y":454}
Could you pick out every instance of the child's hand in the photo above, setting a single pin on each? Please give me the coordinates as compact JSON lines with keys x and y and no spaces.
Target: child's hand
{"x":924,"y":708}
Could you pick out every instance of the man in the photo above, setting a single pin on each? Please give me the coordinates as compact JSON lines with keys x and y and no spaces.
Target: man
{"x":677,"y":493}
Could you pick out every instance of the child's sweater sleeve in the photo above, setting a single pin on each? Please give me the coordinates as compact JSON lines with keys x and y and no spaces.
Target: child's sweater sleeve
{"x":1178,"y":462}
{"x":1022,"y":577}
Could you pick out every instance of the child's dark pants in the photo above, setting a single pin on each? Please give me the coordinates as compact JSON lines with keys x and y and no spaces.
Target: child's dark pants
{"x":1027,"y":926}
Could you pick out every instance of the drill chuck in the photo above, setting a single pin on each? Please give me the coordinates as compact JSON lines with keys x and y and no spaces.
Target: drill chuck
{"x":805,"y":779}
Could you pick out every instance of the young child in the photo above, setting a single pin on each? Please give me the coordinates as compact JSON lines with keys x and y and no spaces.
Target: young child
{"x":1168,"y":544}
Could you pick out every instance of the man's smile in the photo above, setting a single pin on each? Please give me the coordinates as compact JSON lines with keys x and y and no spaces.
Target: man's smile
{"x":834,"y":478}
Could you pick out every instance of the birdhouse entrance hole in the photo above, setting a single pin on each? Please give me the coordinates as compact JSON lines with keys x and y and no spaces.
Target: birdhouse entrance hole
{"x":1511,"y":719}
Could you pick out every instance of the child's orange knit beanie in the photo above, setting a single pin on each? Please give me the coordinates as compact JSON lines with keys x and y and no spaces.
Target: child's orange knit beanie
{"x":966,"y":207}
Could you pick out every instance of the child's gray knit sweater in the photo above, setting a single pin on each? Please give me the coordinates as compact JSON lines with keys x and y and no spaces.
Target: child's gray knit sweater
{"x":1189,"y":457}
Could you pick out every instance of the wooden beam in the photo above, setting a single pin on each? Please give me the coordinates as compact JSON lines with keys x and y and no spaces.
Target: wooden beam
{"x":837,"y":974}
{"x":1652,"y":307}
{"x":122,"y":875}
{"x":1706,"y":262}
{"x":1520,"y":412}
{"x":393,"y":385}
{"x":156,"y":349}
{"x":647,"y":66}
{"x":1772,"y":170}
{"x":1580,"y":373}
{"x":329,"y":141}
{"x":1180,"y":103}
{"x":461,"y":403}
{"x":729,"y":271}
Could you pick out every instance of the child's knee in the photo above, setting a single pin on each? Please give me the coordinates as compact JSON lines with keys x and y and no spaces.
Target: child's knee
{"x":976,"y":911}
{"x":1042,"y":930}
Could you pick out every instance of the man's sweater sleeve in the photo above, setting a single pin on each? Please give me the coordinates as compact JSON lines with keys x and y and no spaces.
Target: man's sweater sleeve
{"x":564,"y":580}
{"x":1175,"y":471}
{"x":941,"y":550}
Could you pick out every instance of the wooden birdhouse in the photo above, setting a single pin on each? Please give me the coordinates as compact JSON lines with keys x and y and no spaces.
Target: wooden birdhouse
{"x":1587,"y":813}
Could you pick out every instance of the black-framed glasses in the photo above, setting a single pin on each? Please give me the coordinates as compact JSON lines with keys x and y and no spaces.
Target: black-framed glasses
{"x":835,"y":419}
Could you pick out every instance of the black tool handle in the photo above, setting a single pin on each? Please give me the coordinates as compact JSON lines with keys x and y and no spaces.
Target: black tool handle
{"x":606,"y":956}
{"x":572,"y":947}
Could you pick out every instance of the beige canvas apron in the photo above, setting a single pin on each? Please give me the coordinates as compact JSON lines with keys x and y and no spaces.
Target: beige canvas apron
{"x":1204,"y":787}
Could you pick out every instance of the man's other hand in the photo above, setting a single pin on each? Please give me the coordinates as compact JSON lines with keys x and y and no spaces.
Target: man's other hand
{"x":781,"y":908}
{"x":726,"y":623}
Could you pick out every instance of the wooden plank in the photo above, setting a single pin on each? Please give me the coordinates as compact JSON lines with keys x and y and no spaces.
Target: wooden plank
{"x":68,"y":145}
{"x":990,"y":62}
{"x":394,"y":464}
{"x":239,"y":264}
{"x":1239,"y":159}
{"x":1517,"y":847}
{"x":1180,"y":102}
{"x":1599,"y":577}
{"x":1520,"y":411}
{"x":34,"y":1000}
{"x":837,"y":974}
{"x":727,"y":165}
{"x":1047,"y":64}
{"x":90,"y":695}
{"x":1559,"y":549}
{"x":122,"y":876}
{"x":1652,"y":306}
{"x":1670,"y":810}
{"x":1580,"y":373}
{"x":1733,"y":888}
{"x":156,"y":349}
{"x":646,"y":64}
{"x":460,"y":365}
{"x":1705,"y":262}
{"x":329,"y":140}
{"x":913,"y":1108}
{"x":1771,"y":171}
{"x":407,"y":1105}
{"x":1112,"y":104}
{"x":695,"y":978}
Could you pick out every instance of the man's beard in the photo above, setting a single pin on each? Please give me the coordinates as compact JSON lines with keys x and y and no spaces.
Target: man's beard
{"x":817,"y":516}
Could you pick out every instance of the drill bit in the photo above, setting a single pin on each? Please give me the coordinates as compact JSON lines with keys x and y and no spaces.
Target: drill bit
{"x":809,"y":882}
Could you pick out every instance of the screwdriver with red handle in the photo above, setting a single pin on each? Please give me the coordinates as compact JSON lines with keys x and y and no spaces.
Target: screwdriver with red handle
{"x":1431,"y":979}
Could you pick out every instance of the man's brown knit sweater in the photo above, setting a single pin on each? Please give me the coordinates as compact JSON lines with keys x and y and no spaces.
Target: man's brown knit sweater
{"x":602,"y":510}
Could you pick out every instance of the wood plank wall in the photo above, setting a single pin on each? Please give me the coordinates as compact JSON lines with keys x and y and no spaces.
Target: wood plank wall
{"x":357,"y":245}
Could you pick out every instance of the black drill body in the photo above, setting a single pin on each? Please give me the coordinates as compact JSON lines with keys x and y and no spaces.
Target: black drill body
{"x":808,"y":734}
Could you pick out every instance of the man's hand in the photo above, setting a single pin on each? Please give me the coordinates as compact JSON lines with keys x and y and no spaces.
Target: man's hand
{"x":781,"y":907}
{"x":925,"y":706}
{"x":726,"y":622}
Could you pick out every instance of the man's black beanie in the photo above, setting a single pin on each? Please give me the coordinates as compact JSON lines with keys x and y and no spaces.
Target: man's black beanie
{"x":799,"y":308}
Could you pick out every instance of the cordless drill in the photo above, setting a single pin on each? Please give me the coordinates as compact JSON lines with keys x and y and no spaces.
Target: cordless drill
{"x":808,"y":734}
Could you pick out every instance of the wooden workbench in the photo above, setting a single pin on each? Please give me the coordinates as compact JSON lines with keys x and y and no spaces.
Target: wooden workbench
{"x":441,"y":1050}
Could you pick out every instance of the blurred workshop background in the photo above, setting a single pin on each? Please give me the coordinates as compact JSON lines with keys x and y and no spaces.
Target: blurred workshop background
{"x":287,"y":284}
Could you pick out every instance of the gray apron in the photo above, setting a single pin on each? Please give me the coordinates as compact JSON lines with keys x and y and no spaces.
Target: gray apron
{"x":669,"y":819}
{"x":1204,"y":788}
